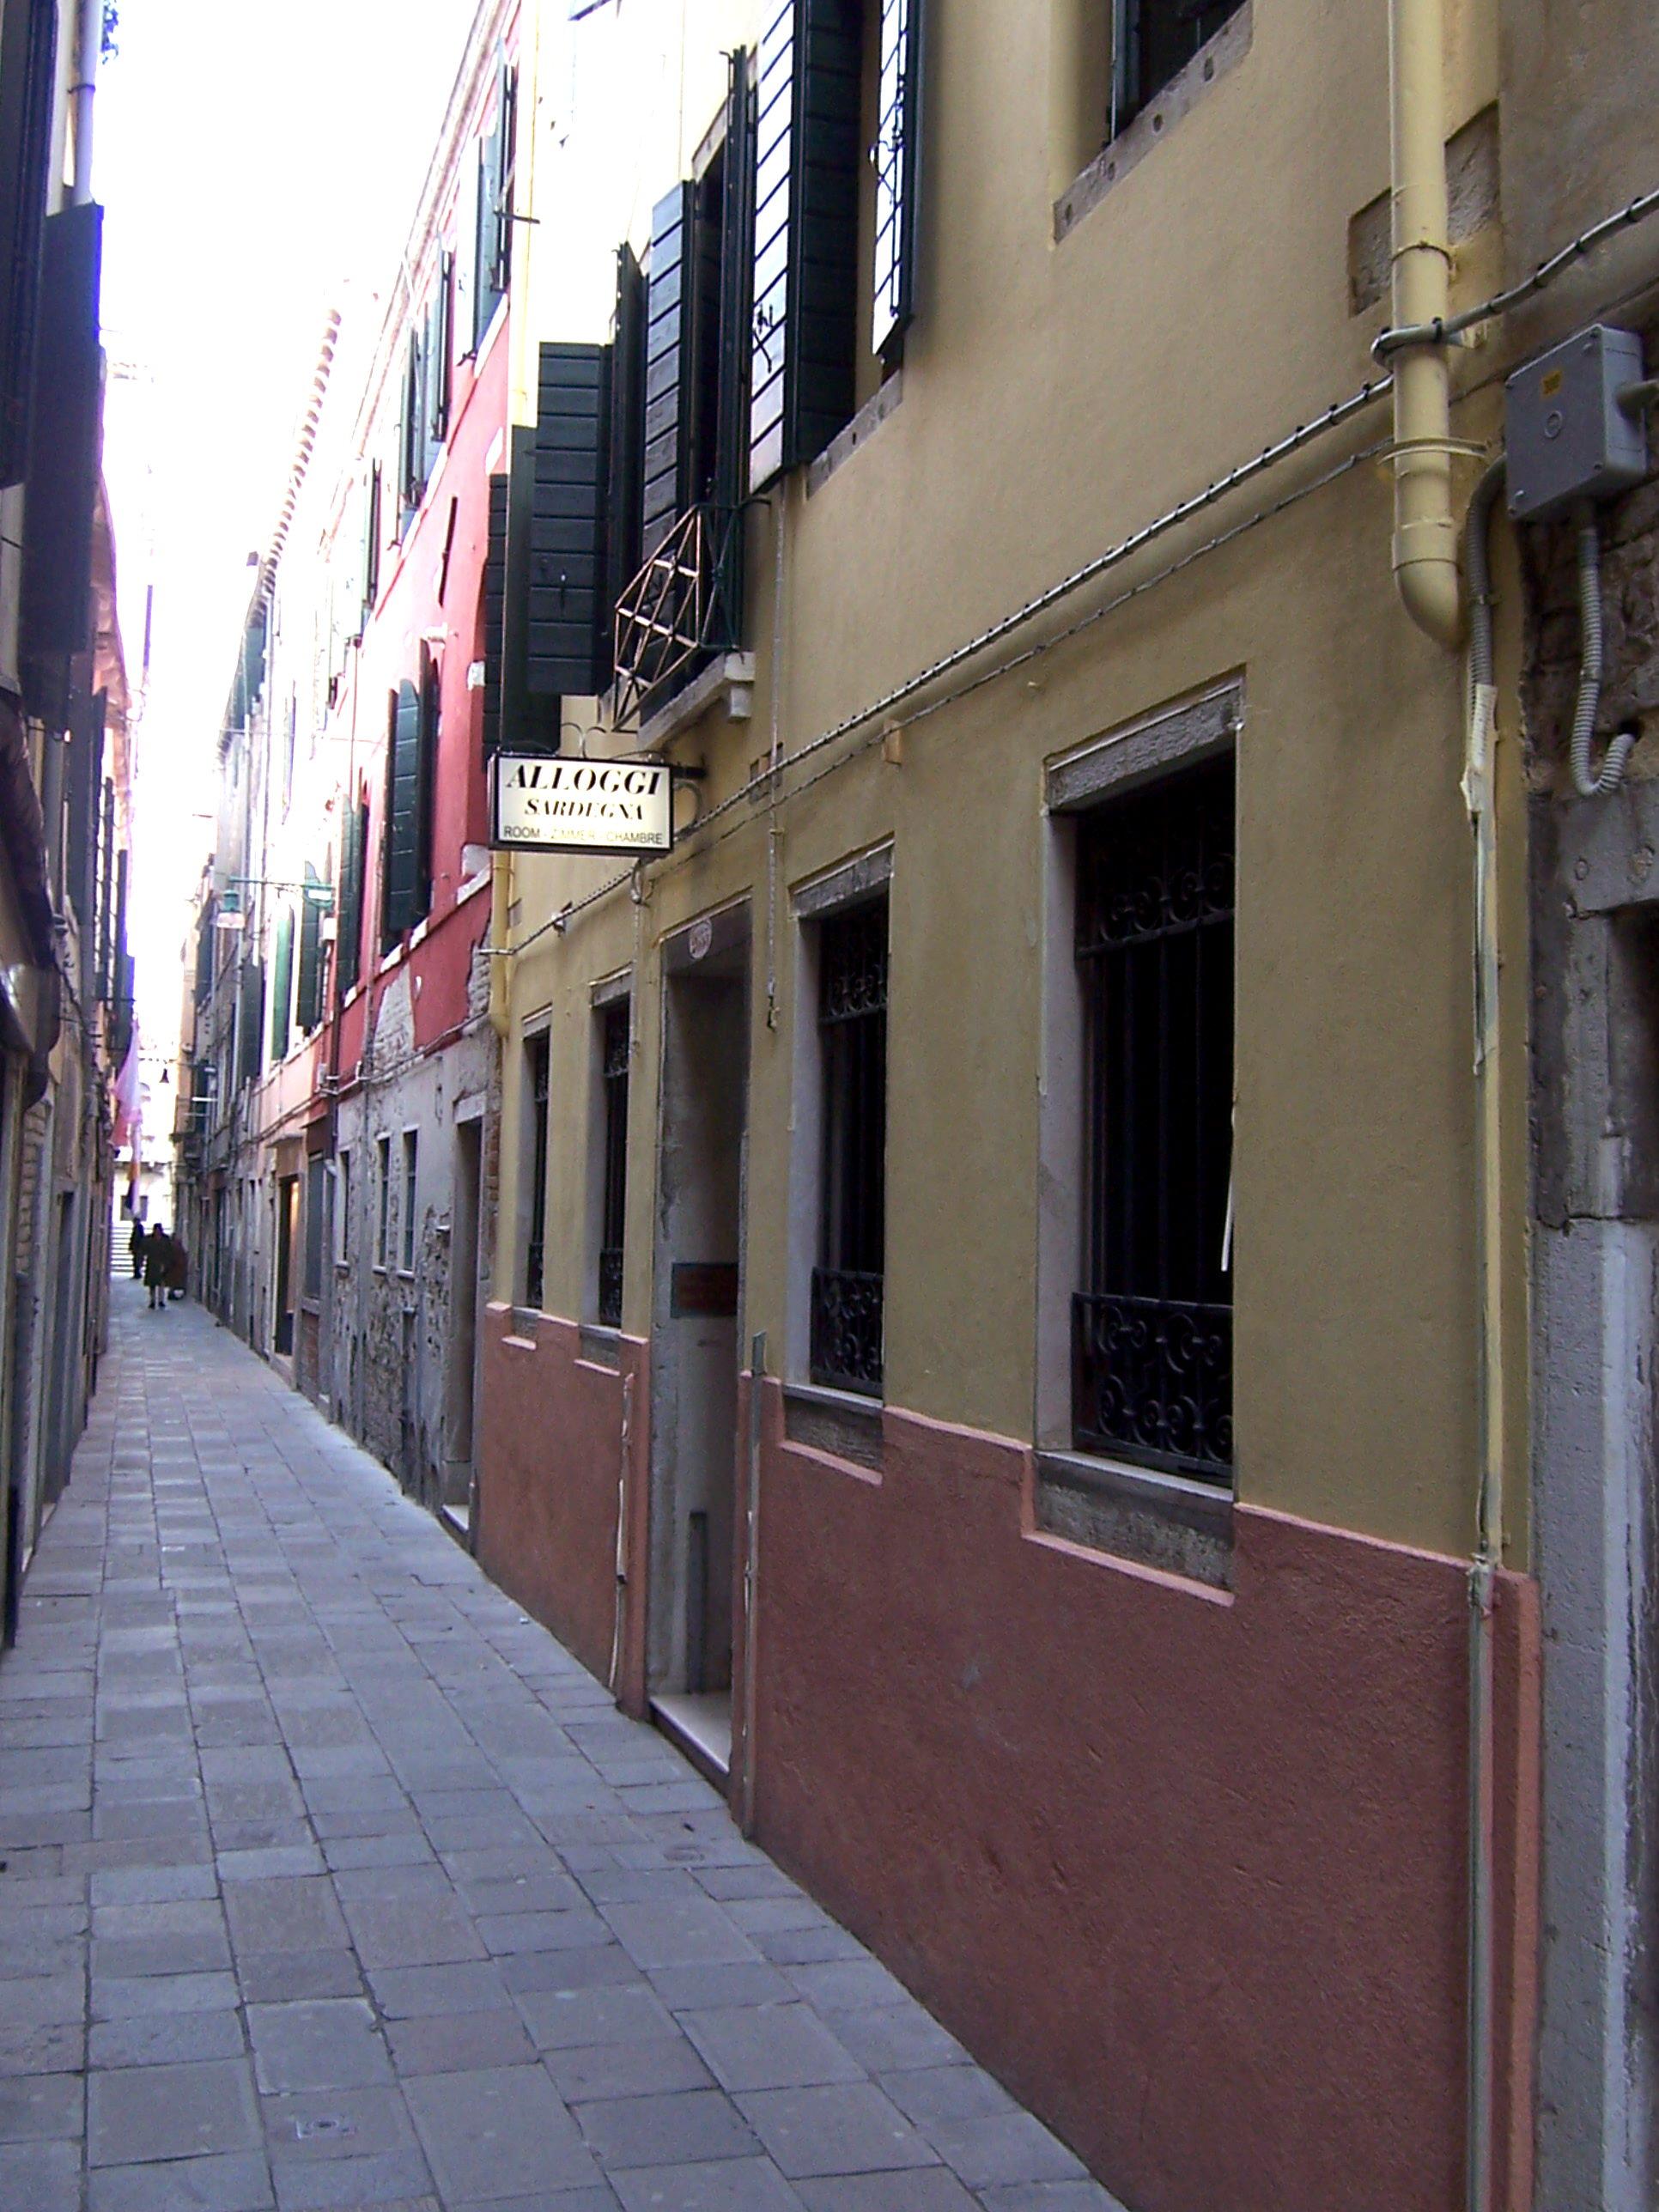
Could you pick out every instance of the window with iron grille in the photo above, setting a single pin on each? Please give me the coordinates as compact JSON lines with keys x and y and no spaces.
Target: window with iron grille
{"x":846,"y":1352}
{"x":536,"y":1058}
{"x":383,"y":1161}
{"x":1152,"y":1324}
{"x":1152,"y":41}
{"x":615,"y":1020}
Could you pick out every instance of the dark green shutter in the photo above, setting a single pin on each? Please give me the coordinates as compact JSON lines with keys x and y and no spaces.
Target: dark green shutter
{"x":401,"y":839}
{"x":282,"y":986}
{"x":309,"y":993}
{"x":435,"y":353}
{"x":350,"y":907}
{"x":372,"y":524}
{"x":494,"y":614}
{"x":63,"y":461}
{"x":426,"y":782}
{"x":806,"y":215}
{"x":737,"y":273}
{"x":251,"y":1038}
{"x":626,"y":426}
{"x":669,"y":370}
{"x":897,"y":151}
{"x":28,"y":45}
{"x":412,"y":459}
{"x":106,"y":892}
{"x":567,"y":654}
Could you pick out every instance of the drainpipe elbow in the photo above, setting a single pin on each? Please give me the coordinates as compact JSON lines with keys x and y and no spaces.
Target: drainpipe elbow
{"x":1426,"y":574}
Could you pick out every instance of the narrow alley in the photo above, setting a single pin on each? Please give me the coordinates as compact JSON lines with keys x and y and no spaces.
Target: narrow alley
{"x":330,"y":1880}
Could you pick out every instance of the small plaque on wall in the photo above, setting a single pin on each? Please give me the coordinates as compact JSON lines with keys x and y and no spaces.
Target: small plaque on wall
{"x":703,"y":1290}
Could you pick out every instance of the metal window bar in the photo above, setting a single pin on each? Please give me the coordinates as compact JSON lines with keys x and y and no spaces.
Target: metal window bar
{"x":847,"y":1293}
{"x":538,"y":1054}
{"x":613,"y":1080}
{"x":1152,"y":1325}
{"x":679,"y":611}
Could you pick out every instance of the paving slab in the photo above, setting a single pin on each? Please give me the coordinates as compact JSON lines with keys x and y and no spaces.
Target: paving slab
{"x":332,"y":1882}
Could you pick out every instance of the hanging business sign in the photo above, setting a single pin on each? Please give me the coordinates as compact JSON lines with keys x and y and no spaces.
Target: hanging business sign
{"x":561,"y":805}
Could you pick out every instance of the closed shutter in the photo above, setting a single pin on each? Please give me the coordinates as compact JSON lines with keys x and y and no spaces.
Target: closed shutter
{"x":898,"y":149}
{"x":309,"y":992}
{"x":436,"y":348}
{"x":568,"y":613}
{"x":627,"y":426}
{"x":107,"y":894}
{"x":494,"y":614}
{"x":282,"y":987}
{"x":28,"y":43}
{"x":63,"y":461}
{"x":426,"y":783}
{"x":806,"y":190}
{"x":401,"y":836}
{"x":669,"y":370}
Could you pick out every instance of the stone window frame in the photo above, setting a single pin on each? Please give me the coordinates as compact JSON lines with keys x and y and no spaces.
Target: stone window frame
{"x":534,"y":1026}
{"x":604,"y":992}
{"x":1135,"y":1513}
{"x":839,"y":1422}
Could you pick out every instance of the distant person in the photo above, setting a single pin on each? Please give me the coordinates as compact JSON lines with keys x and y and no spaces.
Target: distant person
{"x":136,"y":1246}
{"x":158,"y":1258}
{"x":178,"y":1268}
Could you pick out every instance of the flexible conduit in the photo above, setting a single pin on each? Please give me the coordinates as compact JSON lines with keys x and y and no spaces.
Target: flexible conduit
{"x":1588,"y":782}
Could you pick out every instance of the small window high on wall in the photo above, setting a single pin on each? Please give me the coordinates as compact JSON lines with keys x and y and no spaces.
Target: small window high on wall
{"x":1153,"y":41}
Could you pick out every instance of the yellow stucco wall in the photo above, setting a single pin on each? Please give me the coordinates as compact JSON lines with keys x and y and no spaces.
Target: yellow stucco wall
{"x":1055,"y":398}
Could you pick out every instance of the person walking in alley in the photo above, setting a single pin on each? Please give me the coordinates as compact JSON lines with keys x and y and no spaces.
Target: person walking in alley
{"x":178,"y":1268}
{"x":158,"y":1258}
{"x":136,"y":1246}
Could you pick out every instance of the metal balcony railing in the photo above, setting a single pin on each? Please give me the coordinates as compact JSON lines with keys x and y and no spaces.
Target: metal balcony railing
{"x":679,"y":611}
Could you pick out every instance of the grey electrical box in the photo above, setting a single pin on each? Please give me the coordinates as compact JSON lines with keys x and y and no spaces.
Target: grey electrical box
{"x":1568,"y":437}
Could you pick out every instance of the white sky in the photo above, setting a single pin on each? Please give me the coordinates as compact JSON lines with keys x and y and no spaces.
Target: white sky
{"x":248,"y":153}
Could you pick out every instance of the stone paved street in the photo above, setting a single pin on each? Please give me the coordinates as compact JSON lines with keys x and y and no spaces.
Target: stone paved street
{"x":330,"y":1881}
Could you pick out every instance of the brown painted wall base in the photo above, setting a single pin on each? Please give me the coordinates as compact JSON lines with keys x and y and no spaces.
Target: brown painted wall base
{"x":550,"y":1460}
{"x":1188,"y":1871}
{"x":1186,"y":1868}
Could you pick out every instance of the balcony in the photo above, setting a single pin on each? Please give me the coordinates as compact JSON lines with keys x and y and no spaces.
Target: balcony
{"x":681,"y":612}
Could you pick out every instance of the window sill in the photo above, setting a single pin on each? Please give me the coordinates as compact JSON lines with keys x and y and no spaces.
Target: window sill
{"x":733,"y":673}
{"x":1213,"y":61}
{"x":600,"y":1345}
{"x":838,"y":1422}
{"x":1164,"y":1521}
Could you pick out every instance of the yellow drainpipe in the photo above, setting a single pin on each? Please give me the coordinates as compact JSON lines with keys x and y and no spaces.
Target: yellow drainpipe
{"x":1424,"y":534}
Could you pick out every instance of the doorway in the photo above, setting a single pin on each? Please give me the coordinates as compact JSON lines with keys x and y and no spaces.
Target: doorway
{"x":697,"y":1334}
{"x":464,"y":1258}
{"x":288,"y":1219}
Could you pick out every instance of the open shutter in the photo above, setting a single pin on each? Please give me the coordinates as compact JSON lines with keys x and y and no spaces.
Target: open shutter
{"x":349,"y":909}
{"x":737,"y":268}
{"x":426,"y":782}
{"x":309,"y":993}
{"x":466,"y":259}
{"x":282,"y":987}
{"x":436,"y":350}
{"x":898,"y":135}
{"x":569,"y":611}
{"x":669,"y":370}
{"x":494,"y":614}
{"x":806,"y":215}
{"x":627,"y":435}
{"x":372,"y":528}
{"x":250,"y":1055}
{"x":401,"y":841}
{"x":28,"y":44}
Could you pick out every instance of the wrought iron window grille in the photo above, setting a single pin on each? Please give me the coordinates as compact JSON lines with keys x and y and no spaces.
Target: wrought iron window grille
{"x":615,"y":1053}
{"x":845,"y":1351}
{"x":679,"y":611}
{"x":1152,"y":1325}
